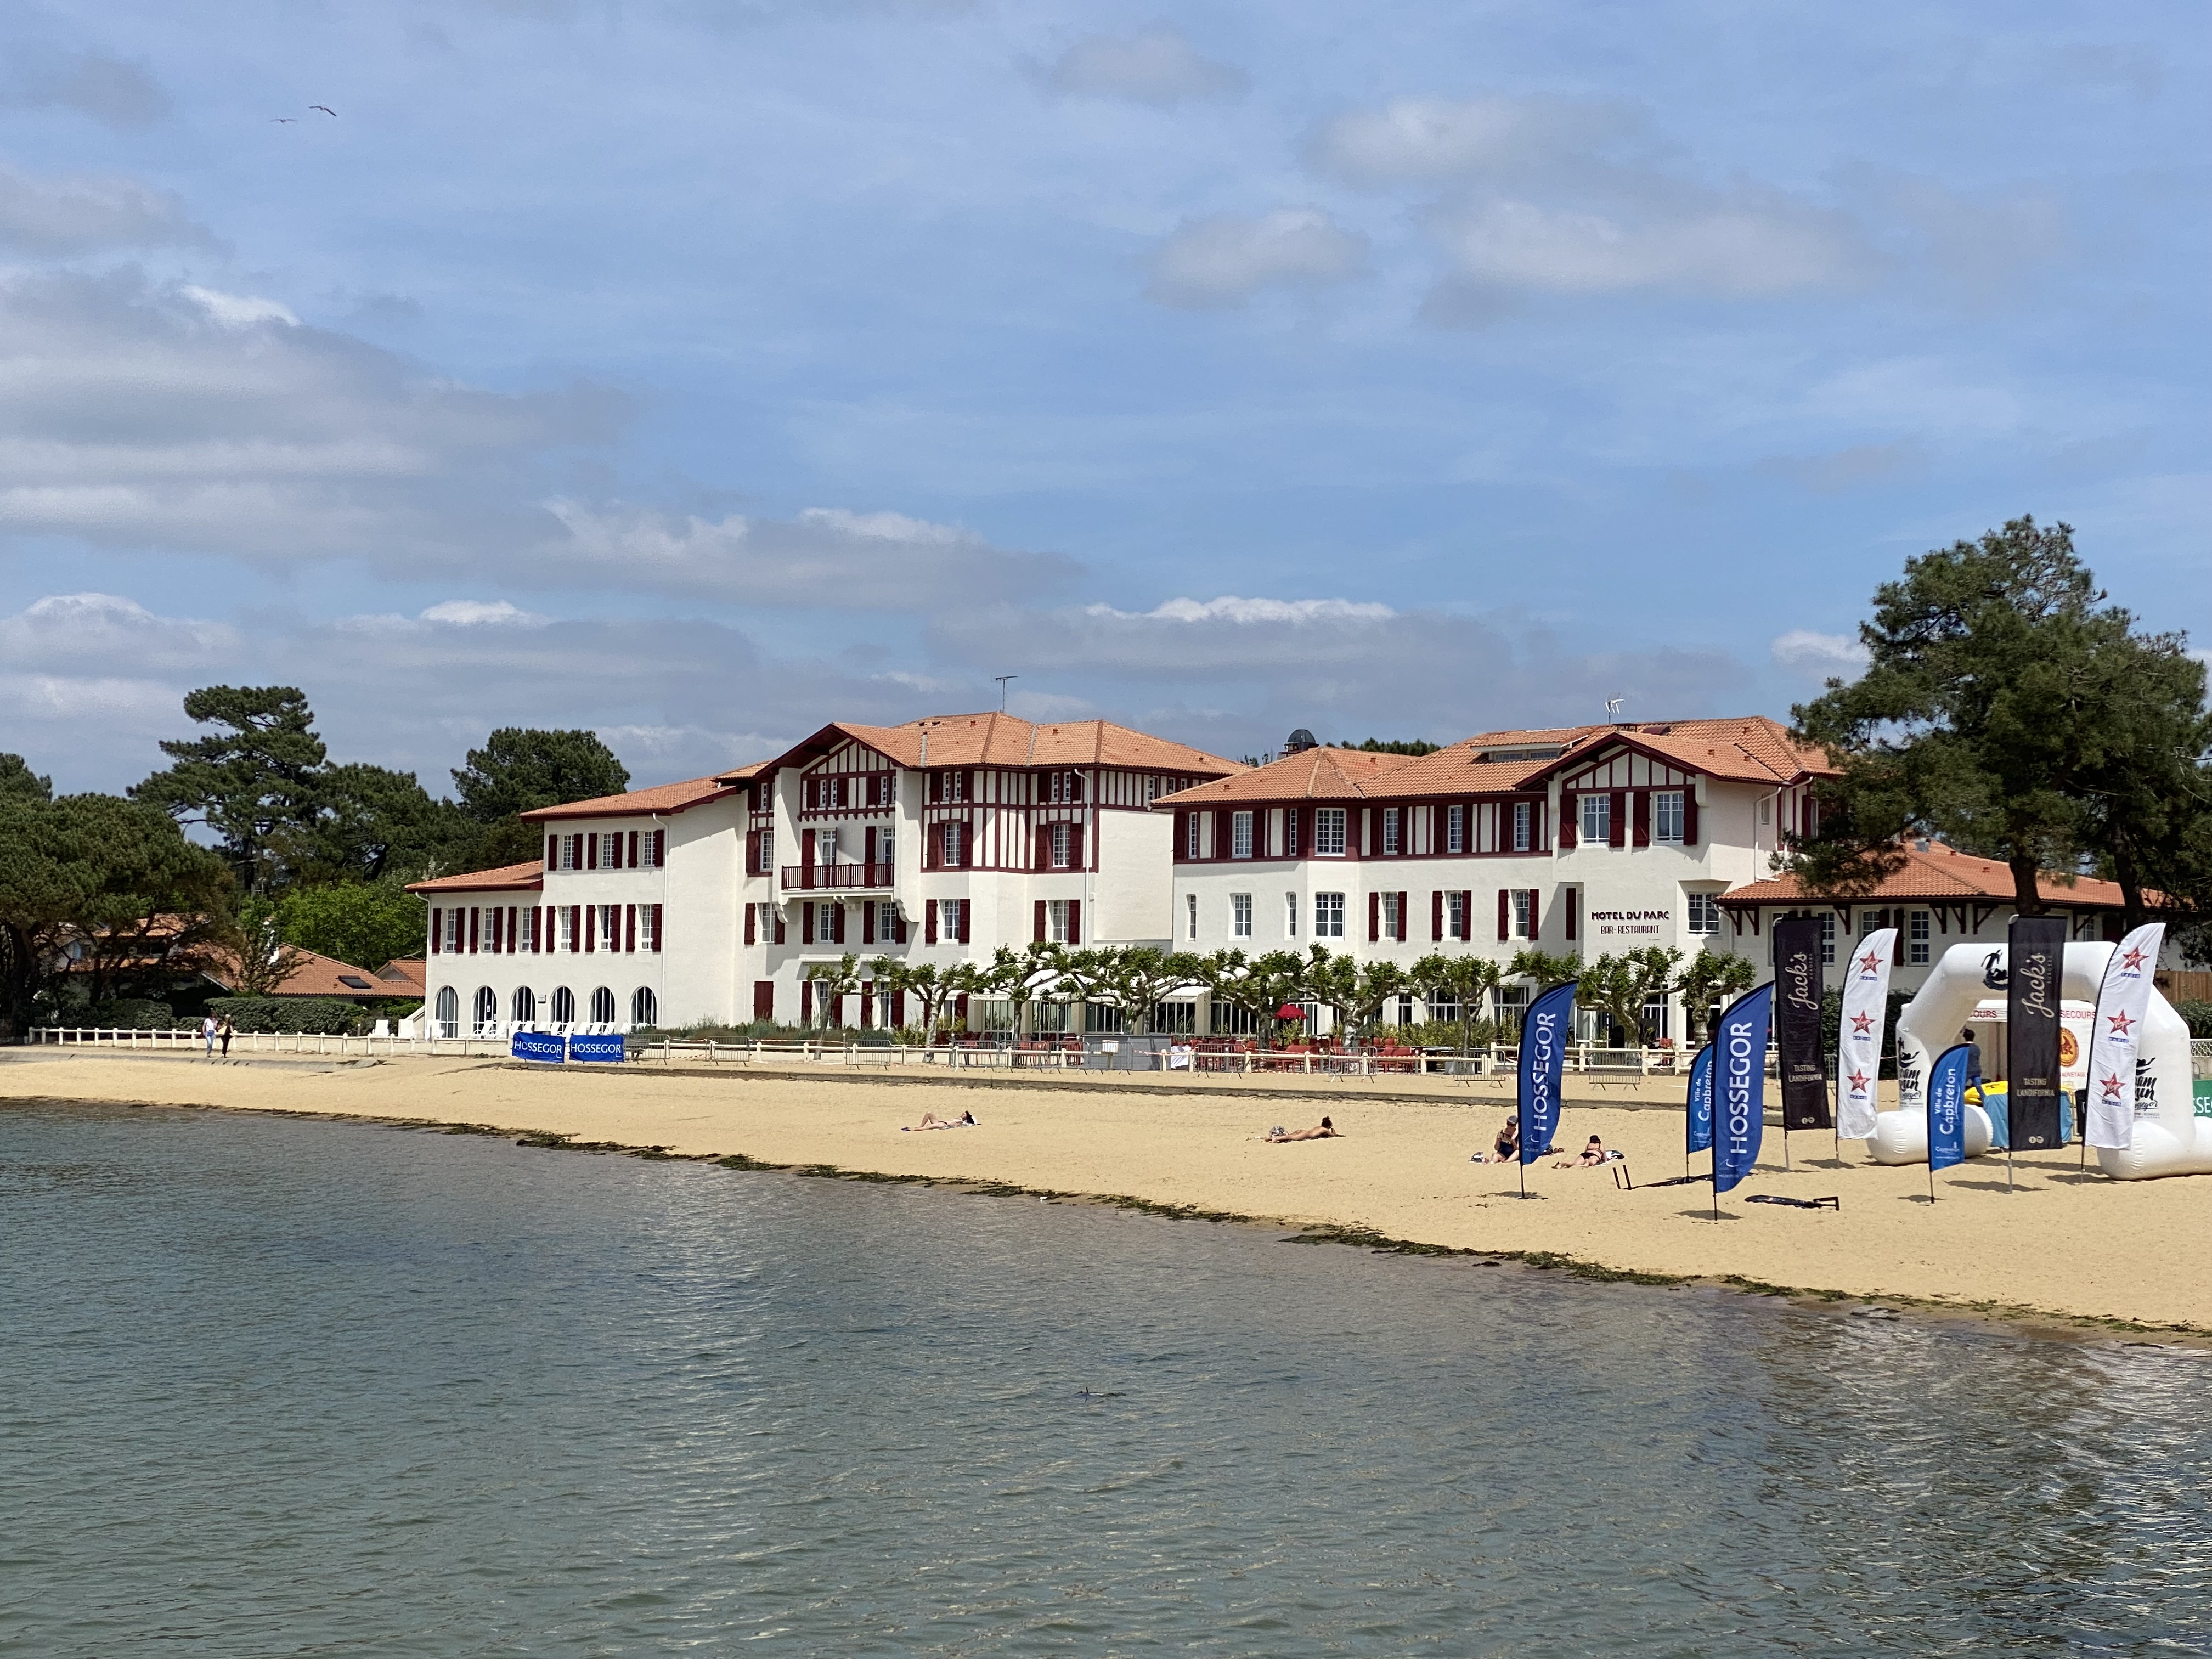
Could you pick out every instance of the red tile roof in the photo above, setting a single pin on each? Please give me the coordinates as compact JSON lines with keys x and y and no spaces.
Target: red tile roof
{"x":1752,"y":748}
{"x":996,"y":739}
{"x":1941,"y":874}
{"x":317,"y":975}
{"x":508,"y":878}
{"x":406,"y":975}
{"x":662,"y":798}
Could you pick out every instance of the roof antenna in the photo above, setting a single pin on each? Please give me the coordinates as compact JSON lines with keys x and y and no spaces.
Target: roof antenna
{"x":1002,"y":679}
{"x":1613,"y":707}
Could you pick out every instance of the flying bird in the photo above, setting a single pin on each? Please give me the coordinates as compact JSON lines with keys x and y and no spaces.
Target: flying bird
{"x":284,"y":120}
{"x":325,"y":109}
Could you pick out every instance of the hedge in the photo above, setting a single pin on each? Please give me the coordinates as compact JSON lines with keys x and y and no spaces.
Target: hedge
{"x":292,"y":1014}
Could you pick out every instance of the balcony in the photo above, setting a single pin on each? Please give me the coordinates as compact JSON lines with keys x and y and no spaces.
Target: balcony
{"x":836,"y":878}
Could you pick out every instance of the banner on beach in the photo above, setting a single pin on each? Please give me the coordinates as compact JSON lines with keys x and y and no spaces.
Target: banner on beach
{"x":1544,"y":1033}
{"x":1859,"y":1042}
{"x":2035,"y":962}
{"x":1739,"y":1088}
{"x":601,"y":1048}
{"x":1947,"y":1107}
{"x":1799,"y":985}
{"x":2123,"y":1005}
{"x":543,"y":1046}
{"x":1701,"y":1103}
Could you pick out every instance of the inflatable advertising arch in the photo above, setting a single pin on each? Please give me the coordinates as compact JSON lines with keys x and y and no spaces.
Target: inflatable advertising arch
{"x":2168,"y":1137}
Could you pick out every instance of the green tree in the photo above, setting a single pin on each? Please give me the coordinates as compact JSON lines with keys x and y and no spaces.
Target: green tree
{"x":101,"y":890}
{"x":1710,"y":979}
{"x":1547,"y":971}
{"x":2004,"y":707}
{"x":255,"y":959}
{"x":1133,"y":979}
{"x":365,"y":923}
{"x":253,"y":782}
{"x":19,"y":782}
{"x":1257,"y":986}
{"x":1622,"y":985}
{"x":520,"y":770}
{"x":833,"y":981}
{"x":1466,"y":981}
{"x":1021,"y":976}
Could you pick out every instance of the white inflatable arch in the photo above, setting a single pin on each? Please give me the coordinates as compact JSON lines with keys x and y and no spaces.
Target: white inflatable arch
{"x":2169,"y":1140}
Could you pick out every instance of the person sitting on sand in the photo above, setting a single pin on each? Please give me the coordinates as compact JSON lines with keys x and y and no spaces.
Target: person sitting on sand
{"x":1507,"y":1146}
{"x":931,"y":1121}
{"x":1593,"y":1155}
{"x":1323,"y":1131}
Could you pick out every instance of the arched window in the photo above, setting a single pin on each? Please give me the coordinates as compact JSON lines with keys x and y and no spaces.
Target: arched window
{"x":644,"y":1006}
{"x":449,"y":1013}
{"x":564,"y":1006}
{"x":603,"y":1006}
{"x":525,"y":1005}
{"x":487,"y":1011}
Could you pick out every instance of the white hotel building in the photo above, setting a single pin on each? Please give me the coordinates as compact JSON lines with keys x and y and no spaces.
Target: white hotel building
{"x":936,"y":841}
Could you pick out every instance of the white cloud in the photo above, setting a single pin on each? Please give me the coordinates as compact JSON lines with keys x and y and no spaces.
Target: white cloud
{"x":111,"y":91}
{"x":1746,"y":248}
{"x":1822,"y":656}
{"x":482,"y":613}
{"x":85,"y":214}
{"x":97,"y":631}
{"x":1158,"y":65}
{"x":239,"y":310}
{"x":1297,"y":613}
{"x":1226,"y":259}
{"x":1435,"y":141}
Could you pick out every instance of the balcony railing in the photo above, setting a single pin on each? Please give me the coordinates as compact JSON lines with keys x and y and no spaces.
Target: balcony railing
{"x":836,"y":878}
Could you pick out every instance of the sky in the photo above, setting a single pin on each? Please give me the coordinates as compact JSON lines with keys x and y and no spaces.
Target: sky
{"x":703,"y":373}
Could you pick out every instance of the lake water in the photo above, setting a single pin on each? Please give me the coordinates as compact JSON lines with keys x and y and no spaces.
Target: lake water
{"x":283,"y":1387}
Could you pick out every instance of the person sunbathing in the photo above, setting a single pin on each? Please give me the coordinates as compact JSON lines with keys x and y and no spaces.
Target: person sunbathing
{"x":1323,"y":1131}
{"x":931,"y":1121}
{"x":1594,"y":1154}
{"x":1507,"y":1146}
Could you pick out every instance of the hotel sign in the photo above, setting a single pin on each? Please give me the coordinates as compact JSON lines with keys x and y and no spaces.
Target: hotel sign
{"x":1629,"y":921}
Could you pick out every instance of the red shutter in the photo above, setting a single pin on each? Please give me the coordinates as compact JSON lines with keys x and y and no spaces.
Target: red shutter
{"x":929,"y":846}
{"x":765,"y":998}
{"x":1036,"y":926}
{"x":960,"y":1012}
{"x":752,"y":925}
{"x":1075,"y":847}
{"x":1643,"y":821}
{"x":591,"y":852}
{"x":552,"y":855}
{"x":1437,"y":914}
{"x":779,"y":924}
{"x":1570,"y":822}
{"x":806,"y":922}
{"x":867,"y":926}
{"x":964,"y":904}
{"x":1373,"y":917}
{"x":1075,"y":921}
{"x":929,"y":921}
{"x":476,"y":923}
{"x":1504,"y":913}
{"x":1619,"y":825}
{"x":898,"y":927}
{"x":868,"y":846}
{"x":629,"y":850}
{"x":1404,"y":920}
{"x":1574,"y":911}
{"x":898,"y":1011}
{"x":1182,"y":837}
{"x":629,"y":929}
{"x":837,"y":923}
{"x":752,"y":850}
{"x":588,"y":923}
{"x":437,"y":932}
{"x":1690,"y":814}
{"x":1466,"y":915}
{"x":806,"y":1002}
{"x":1897,"y":945}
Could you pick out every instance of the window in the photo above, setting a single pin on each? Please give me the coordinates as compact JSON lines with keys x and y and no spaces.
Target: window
{"x":887,"y":844}
{"x":1290,"y":915}
{"x":955,"y":841}
{"x":1455,"y":915}
{"x":1828,"y":939}
{"x":525,"y":1005}
{"x":603,"y":1006}
{"x":952,"y":786}
{"x":1597,"y":820}
{"x":1055,"y":921}
{"x":453,"y":933}
{"x":1190,"y":835}
{"x":1063,"y":843}
{"x":610,"y":929}
{"x":487,"y":1007}
{"x":825,"y":847}
{"x":1328,"y":833}
{"x":1190,"y":903}
{"x":1524,"y":913}
{"x":1524,"y":826}
{"x":1063,"y":787}
{"x":1705,"y":913}
{"x":610,"y":851}
{"x":1240,"y":835}
{"x":1390,"y":821}
{"x":449,"y":1012}
{"x":1455,"y":829}
{"x":564,"y":1006}
{"x":1915,"y":938}
{"x":572,"y":851}
{"x":528,"y":929}
{"x":568,"y":939}
{"x":1393,"y":916}
{"x":1240,"y":915}
{"x":1328,"y":908}
{"x":1667,"y":816}
{"x":644,"y":1008}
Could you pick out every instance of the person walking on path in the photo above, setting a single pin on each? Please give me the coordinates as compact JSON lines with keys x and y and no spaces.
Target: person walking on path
{"x":207,"y":1034}
{"x":225,"y":1031}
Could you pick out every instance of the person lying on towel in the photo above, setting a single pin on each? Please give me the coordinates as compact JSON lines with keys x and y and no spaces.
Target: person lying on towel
{"x":1323,"y":1131}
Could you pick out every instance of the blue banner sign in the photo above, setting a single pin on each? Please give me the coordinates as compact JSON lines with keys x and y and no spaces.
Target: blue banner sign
{"x":1544,"y":1035}
{"x":596,"y":1049}
{"x":537,"y":1045}
{"x":1701,"y":1101}
{"x":1739,"y":1051}
{"x":1947,"y":1107}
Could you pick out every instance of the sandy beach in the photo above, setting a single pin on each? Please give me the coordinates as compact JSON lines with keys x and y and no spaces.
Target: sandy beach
{"x":2075,"y":1247}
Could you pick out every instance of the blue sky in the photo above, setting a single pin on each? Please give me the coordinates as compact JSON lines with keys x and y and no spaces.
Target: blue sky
{"x":700,"y":373}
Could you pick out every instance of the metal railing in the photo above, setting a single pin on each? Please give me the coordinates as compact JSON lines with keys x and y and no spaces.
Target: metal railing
{"x":835,"y":877}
